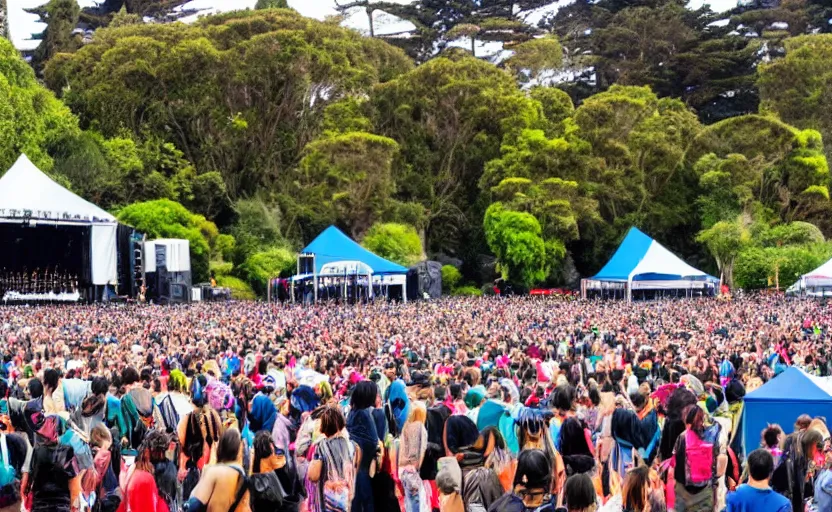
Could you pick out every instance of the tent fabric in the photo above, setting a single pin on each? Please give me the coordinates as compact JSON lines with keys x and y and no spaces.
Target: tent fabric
{"x":640,"y":258}
{"x":103,"y":254}
{"x":177,"y":255}
{"x":25,"y":187}
{"x":332,"y":246}
{"x":777,"y":401}
{"x":821,"y":277}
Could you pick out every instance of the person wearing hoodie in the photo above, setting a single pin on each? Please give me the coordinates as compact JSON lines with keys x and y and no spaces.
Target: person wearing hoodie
{"x":262,"y":415}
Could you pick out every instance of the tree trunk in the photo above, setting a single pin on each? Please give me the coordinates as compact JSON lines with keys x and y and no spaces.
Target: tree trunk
{"x":473,"y":46}
{"x":370,"y":18}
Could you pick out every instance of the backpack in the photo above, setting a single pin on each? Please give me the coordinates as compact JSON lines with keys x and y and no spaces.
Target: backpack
{"x":337,"y":487}
{"x":700,"y":456}
{"x":169,"y":414}
{"x":138,"y":433}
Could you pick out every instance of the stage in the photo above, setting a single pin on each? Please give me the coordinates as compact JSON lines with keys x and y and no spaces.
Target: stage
{"x":56,"y":246}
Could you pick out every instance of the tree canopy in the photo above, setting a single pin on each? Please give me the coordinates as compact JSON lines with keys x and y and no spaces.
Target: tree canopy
{"x":508,"y":148}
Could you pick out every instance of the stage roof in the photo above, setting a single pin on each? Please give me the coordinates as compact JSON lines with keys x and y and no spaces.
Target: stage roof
{"x":333,"y":246}
{"x":24,"y":187}
{"x":640,"y":258}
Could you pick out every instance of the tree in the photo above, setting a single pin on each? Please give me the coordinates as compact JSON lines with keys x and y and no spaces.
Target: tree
{"x":725,"y":240}
{"x":755,"y":159}
{"x":557,"y":107}
{"x":264,"y":265}
{"x":634,"y":145}
{"x":32,"y":121}
{"x":515,"y":238}
{"x":798,"y":87}
{"x":241,"y":93}
{"x":103,"y":14}
{"x":534,"y":57}
{"x":449,"y":117}
{"x":61,"y":18}
{"x":4,"y":20}
{"x":349,"y":178}
{"x":164,"y":218}
{"x":399,"y":243}
{"x":257,"y":227}
{"x":760,"y":267}
{"x":271,"y":4}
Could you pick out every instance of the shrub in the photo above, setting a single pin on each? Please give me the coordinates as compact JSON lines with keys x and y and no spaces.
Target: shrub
{"x":451,"y":276}
{"x":467,"y":291}
{"x":240,"y":290}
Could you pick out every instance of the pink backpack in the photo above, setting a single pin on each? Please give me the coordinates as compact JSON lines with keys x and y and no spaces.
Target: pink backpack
{"x":700,"y":458}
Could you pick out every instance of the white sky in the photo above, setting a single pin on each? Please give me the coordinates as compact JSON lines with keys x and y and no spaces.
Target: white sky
{"x":22,"y":24}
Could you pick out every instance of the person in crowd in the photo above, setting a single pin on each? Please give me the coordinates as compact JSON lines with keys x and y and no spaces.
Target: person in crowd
{"x":642,"y":491}
{"x":757,"y":495}
{"x":100,"y":484}
{"x":579,"y":494}
{"x":262,"y":415}
{"x":799,"y":451}
{"x":52,"y":483}
{"x":698,"y":463}
{"x":410,"y":453}
{"x":531,"y":487}
{"x":363,"y":428}
{"x":199,"y":434}
{"x":336,"y":465}
{"x":15,"y":450}
{"x":177,"y":389}
{"x":223,"y":485}
{"x":93,"y":410}
{"x":481,"y":485}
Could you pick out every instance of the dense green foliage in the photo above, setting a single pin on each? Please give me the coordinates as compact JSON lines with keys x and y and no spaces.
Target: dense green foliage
{"x":396,"y":242}
{"x":451,"y":277}
{"x":32,"y":121}
{"x":250,"y":132}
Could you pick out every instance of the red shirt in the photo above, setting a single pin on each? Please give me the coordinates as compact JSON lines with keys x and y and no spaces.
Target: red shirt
{"x":142,"y":494}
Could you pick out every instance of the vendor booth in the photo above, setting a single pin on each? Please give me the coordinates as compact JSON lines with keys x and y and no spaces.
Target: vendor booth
{"x":644,"y":268}
{"x":335,"y":267}
{"x":781,"y":400}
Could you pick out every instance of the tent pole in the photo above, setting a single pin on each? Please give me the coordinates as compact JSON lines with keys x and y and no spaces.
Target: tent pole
{"x":404,"y":291}
{"x":315,"y":277}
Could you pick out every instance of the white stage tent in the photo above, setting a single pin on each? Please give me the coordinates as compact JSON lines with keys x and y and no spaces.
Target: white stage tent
{"x":641,"y":263}
{"x":28,"y":197}
{"x":817,"y":282}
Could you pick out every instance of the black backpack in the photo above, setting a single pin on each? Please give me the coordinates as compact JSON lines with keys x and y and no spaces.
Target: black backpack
{"x":169,"y":414}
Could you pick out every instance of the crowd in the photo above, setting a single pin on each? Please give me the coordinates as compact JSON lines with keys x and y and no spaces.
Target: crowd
{"x":456,"y":405}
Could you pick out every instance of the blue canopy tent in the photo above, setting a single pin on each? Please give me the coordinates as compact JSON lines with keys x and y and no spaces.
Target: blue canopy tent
{"x":781,"y":400}
{"x":332,"y":254}
{"x":641,"y":263}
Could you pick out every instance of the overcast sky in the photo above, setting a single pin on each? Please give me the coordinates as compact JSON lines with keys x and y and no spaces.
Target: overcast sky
{"x":22,"y":25}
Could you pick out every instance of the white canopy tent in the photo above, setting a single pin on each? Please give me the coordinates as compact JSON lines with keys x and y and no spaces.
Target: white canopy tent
{"x":641,"y":263}
{"x":30,"y":197}
{"x":817,"y":282}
